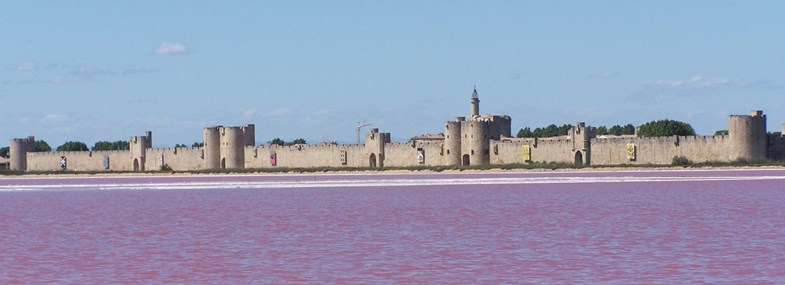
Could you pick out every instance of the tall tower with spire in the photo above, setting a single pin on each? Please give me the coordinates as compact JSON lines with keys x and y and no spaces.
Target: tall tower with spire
{"x":475,"y":108}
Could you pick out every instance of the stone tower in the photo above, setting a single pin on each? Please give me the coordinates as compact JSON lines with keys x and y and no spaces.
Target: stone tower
{"x":18,"y":152}
{"x":249,"y":133}
{"x":452,"y":142}
{"x":475,"y":104}
{"x":232,"y":147}
{"x":148,"y":137}
{"x":581,"y":142}
{"x":374,"y":147}
{"x":467,"y":140}
{"x":212,"y":147}
{"x":224,"y":147}
{"x":475,"y":144}
{"x":138,"y":146}
{"x":747,"y":136}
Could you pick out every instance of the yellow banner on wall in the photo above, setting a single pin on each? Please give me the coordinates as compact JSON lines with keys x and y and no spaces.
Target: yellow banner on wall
{"x":631,"y":151}
{"x":527,"y":153}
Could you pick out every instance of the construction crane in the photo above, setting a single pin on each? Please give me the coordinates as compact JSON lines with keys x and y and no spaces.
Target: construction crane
{"x":360,"y":126}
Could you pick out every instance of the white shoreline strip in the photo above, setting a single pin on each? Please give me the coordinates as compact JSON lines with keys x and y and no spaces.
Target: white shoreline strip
{"x":375,"y":183}
{"x":633,"y":171}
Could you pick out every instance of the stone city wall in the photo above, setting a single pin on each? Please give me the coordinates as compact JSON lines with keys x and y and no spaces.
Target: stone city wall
{"x":777,"y":148}
{"x":542,"y":150}
{"x":659,"y":150}
{"x":304,"y":155}
{"x":399,"y":154}
{"x":119,"y":160}
{"x":180,"y":158}
{"x":613,"y":151}
{"x":465,"y":142}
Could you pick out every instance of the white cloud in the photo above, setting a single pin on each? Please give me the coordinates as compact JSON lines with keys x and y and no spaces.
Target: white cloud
{"x":171,"y":48}
{"x":279,"y":112}
{"x":603,"y":75}
{"x":324,"y":112}
{"x":53,"y":117}
{"x":69,"y":78}
{"x":699,"y":84}
{"x":248,"y":114}
{"x":133,"y":69}
{"x":24,"y":66}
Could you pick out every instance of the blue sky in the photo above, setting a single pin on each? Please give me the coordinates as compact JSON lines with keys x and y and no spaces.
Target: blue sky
{"x":106,"y":70}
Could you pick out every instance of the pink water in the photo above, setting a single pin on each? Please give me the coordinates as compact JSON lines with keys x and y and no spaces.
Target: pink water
{"x":669,"y":232}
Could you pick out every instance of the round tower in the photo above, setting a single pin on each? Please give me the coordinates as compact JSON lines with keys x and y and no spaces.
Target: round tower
{"x":452,"y":143}
{"x":475,"y":146}
{"x":212,"y":147}
{"x":232,"y":147}
{"x":475,"y":104}
{"x":18,"y":152}
{"x":747,"y":136}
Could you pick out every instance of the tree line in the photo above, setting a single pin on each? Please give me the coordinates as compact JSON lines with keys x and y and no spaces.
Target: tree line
{"x":279,"y":141}
{"x":43,"y":146}
{"x":659,"y":128}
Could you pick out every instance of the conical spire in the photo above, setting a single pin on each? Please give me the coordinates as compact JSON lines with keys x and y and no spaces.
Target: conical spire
{"x":474,"y":93}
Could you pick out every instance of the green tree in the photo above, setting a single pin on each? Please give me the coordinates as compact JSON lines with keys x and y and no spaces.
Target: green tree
{"x":662,"y":128}
{"x":721,"y":133}
{"x":73,"y":146}
{"x":42,"y":146}
{"x":115,"y":145}
{"x":602,"y":131}
{"x":525,"y":133}
{"x":564,"y":129}
{"x":615,"y":130}
{"x":5,"y":151}
{"x":537,"y":133}
{"x":551,"y":131}
{"x":628,"y":129}
{"x":197,"y":144}
{"x":279,"y":141}
{"x":180,"y":145}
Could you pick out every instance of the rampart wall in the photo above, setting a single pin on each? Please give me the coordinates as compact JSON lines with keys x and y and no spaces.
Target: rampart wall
{"x":406,"y":154}
{"x":613,"y":151}
{"x":304,"y":156}
{"x":119,"y":160}
{"x":465,"y":143}
{"x":659,"y":150}
{"x":180,"y":158}
{"x":542,"y":150}
{"x":776,"y":148}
